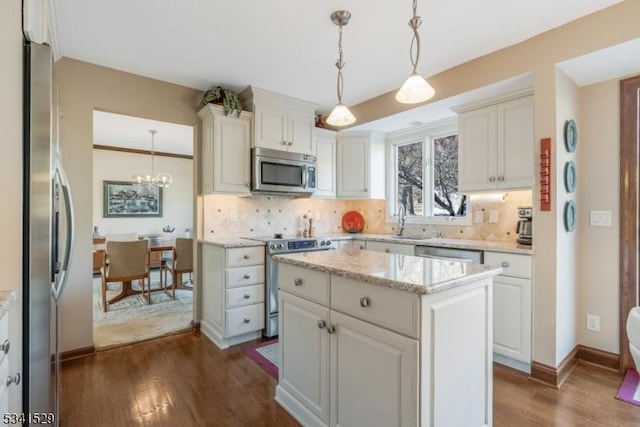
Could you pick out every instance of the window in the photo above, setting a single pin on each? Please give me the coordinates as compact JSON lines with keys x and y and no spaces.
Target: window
{"x":424,"y":174}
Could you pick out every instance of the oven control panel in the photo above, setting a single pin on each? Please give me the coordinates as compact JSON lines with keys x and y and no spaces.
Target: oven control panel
{"x":301,"y":245}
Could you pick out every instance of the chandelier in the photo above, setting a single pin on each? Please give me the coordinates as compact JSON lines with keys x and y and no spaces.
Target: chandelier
{"x":150,"y":179}
{"x":415,"y":89}
{"x":340,"y":116}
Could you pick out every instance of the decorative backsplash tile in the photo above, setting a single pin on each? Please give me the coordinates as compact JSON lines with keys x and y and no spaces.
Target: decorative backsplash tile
{"x":231,"y":216}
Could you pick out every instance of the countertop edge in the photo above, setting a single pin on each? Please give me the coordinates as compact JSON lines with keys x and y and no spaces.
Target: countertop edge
{"x":232,"y":243}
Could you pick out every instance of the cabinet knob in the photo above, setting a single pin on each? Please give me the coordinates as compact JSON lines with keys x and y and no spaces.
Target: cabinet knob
{"x":297,"y":281}
{"x":322,"y":324}
{"x":14,"y":379}
{"x":387,"y":250}
{"x":505,"y":264}
{"x":246,"y":320}
{"x":366,"y":189}
{"x":248,"y":185}
{"x":290,"y":143}
{"x":492,"y":179}
{"x":246,"y":276}
{"x":4,"y":348}
{"x":246,"y":296}
{"x":284,"y":143}
{"x":362,"y":247}
{"x":246,"y":256}
{"x":365,"y":302}
{"x":331,"y":329}
{"x":501,"y":178}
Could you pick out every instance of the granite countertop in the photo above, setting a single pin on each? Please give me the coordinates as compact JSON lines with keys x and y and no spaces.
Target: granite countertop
{"x":420,"y":275}
{"x":7,"y":298}
{"x":231,"y":242}
{"x":482,"y":245}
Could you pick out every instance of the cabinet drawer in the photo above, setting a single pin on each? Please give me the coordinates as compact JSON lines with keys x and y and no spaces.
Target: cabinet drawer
{"x":308,"y":284}
{"x":513,"y":265}
{"x":243,"y":276}
{"x":245,"y":256}
{"x":245,"y":295}
{"x":391,"y":309}
{"x":245,"y":319}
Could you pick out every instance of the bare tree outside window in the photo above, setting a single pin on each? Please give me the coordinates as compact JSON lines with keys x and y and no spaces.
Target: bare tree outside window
{"x":448,"y":202}
{"x":410,"y":172}
{"x":410,"y":179}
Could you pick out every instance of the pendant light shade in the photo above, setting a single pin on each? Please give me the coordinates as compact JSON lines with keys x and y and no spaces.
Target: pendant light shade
{"x":149,"y":179}
{"x":340,"y":115}
{"x":415,"y":89}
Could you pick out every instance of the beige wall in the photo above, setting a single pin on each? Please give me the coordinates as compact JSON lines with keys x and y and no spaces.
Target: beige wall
{"x":177,"y":205}
{"x":11,"y":176}
{"x":567,"y":107}
{"x":599,"y":184}
{"x":84,"y":87}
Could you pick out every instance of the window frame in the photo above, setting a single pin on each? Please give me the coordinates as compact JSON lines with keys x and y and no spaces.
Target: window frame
{"x":426,"y":135}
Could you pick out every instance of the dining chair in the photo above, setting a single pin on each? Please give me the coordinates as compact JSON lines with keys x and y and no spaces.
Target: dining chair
{"x":179,"y":263}
{"x":126,"y":261}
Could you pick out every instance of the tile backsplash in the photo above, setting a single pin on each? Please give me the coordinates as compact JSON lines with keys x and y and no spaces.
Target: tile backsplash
{"x":231,"y":216}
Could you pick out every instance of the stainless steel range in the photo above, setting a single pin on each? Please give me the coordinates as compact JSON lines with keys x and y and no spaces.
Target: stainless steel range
{"x":278,"y":245}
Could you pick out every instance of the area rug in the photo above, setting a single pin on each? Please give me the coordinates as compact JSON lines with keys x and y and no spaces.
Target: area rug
{"x":132,"y":320}
{"x":630,"y":389}
{"x":266,"y":355}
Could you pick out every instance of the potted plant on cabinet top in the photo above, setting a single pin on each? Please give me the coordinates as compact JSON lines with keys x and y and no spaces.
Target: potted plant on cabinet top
{"x":225,"y":97}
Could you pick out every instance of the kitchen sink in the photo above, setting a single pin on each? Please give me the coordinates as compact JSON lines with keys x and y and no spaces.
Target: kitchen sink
{"x":411,"y":238}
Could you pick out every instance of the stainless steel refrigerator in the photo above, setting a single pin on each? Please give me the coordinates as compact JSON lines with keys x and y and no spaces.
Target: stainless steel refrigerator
{"x":47,"y":235}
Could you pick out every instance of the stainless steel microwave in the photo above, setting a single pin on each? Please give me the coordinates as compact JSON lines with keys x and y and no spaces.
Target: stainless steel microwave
{"x":275,"y":171}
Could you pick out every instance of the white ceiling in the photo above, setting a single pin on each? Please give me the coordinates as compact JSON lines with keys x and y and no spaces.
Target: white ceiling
{"x":290,"y":46}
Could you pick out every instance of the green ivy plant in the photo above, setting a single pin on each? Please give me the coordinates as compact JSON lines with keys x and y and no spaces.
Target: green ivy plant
{"x":220,"y":95}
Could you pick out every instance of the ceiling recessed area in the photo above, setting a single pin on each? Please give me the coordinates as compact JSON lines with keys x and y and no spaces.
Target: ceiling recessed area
{"x":118,"y":130}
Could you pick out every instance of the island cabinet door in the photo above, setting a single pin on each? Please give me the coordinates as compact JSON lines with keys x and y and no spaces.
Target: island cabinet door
{"x":374,"y":375}
{"x":304,"y":358}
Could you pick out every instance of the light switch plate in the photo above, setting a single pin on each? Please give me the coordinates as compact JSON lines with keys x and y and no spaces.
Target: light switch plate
{"x":479,"y":217}
{"x":600,"y":218}
{"x":493,"y":217}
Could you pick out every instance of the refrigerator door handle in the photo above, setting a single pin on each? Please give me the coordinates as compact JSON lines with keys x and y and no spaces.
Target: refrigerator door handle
{"x":61,"y":279}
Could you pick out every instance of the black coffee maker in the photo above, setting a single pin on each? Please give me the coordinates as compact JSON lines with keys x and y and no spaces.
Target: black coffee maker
{"x":524,"y":228}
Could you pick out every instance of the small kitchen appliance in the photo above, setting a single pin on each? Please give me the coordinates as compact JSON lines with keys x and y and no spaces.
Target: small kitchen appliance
{"x":282,"y":172}
{"x":524,"y":228}
{"x":279,"y":245}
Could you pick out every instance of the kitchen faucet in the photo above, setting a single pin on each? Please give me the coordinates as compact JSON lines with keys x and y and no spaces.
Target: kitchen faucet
{"x":402,"y":216}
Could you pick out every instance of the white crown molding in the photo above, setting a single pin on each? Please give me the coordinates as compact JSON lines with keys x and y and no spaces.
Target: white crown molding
{"x":56,"y":47}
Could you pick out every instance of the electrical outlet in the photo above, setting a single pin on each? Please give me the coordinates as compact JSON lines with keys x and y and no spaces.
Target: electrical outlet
{"x":479,"y":217}
{"x":233,"y":215}
{"x":493,"y":217}
{"x":593,"y":322}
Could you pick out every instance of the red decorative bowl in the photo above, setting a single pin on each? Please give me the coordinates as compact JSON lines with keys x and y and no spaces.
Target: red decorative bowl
{"x":352,"y":222}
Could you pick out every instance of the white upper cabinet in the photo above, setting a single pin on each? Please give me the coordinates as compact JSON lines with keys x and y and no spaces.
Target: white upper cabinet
{"x":280,"y":122}
{"x":496,"y":146}
{"x":325,"y":141}
{"x":361,"y":165}
{"x":225,"y":156}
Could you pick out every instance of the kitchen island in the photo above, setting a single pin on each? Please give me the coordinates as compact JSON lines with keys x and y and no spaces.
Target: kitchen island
{"x":377,"y":339}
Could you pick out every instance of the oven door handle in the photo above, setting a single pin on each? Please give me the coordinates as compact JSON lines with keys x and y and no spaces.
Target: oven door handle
{"x":304,"y":176}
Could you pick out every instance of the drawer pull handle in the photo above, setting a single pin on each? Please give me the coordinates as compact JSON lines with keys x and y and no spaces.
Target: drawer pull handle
{"x":13,"y":379}
{"x":5,"y":347}
{"x":361,"y":246}
{"x":247,"y":320}
{"x":505,"y":264}
{"x":246,"y":296}
{"x":365,"y":302}
{"x":297,"y":282}
{"x":246,"y":276}
{"x":245,"y":256}
{"x":387,"y":250}
{"x":322,"y":324}
{"x":331,"y":329}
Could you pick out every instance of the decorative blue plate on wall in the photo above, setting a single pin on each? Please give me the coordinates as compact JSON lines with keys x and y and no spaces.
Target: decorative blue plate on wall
{"x":570,"y":215}
{"x":570,"y":176}
{"x":570,"y":136}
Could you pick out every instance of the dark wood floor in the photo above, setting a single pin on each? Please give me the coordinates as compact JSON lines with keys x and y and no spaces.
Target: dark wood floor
{"x":150,"y":384}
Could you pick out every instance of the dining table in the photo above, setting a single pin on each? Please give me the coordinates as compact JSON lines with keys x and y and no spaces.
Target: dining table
{"x":127,"y":289}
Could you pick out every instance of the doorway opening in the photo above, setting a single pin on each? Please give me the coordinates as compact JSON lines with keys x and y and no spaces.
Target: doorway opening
{"x":124,"y":210}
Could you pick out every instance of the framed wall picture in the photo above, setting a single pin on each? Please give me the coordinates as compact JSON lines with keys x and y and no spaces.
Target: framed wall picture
{"x":122,"y":199}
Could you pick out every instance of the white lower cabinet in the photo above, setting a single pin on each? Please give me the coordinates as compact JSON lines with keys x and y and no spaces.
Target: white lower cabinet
{"x":374,"y":356}
{"x":232,"y":294}
{"x":512,"y":310}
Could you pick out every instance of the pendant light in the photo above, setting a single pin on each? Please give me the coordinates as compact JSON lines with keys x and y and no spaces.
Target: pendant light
{"x":340,"y":115}
{"x":147,"y":179}
{"x":415,"y":89}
